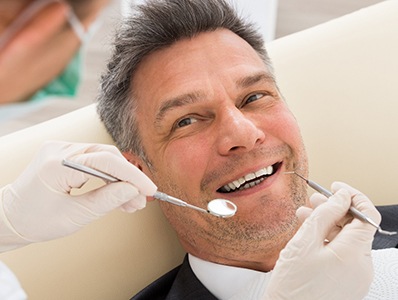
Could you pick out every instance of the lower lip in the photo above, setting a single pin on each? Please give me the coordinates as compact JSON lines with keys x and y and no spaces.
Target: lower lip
{"x":259,"y":187}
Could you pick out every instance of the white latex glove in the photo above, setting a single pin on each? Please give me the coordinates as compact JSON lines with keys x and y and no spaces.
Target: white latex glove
{"x":310,"y":268}
{"x":38,"y":205}
{"x":10,"y":287}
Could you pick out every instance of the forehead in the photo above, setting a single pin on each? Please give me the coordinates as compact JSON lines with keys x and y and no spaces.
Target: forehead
{"x":192,"y":65}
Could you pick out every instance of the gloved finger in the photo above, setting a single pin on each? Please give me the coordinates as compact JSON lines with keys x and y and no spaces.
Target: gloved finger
{"x":331,"y":212}
{"x":344,"y":221}
{"x":362,"y":204}
{"x":317,"y":199}
{"x":95,"y":148}
{"x":364,"y":231}
{"x":338,"y":226}
{"x":118,"y":167}
{"x":48,"y":163}
{"x":337,"y":185}
{"x":313,"y":232}
{"x":357,"y":233}
{"x":360,"y":201}
{"x":64,"y":150}
{"x":137,"y":203}
{"x":107,"y":197}
{"x":303,"y":212}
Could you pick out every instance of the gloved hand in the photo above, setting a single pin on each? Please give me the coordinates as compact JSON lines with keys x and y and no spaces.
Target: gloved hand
{"x":310,"y":268}
{"x":38,"y":206}
{"x":10,"y":287}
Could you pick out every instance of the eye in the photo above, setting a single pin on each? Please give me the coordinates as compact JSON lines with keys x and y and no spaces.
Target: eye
{"x":185,"y":122}
{"x":254,"y":97}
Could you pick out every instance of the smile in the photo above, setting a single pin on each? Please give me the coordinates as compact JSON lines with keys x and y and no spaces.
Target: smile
{"x":249,"y":180}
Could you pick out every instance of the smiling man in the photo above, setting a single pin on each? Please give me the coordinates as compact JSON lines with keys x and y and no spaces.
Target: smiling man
{"x":215,"y":126}
{"x":191,"y":99}
{"x":212,"y":124}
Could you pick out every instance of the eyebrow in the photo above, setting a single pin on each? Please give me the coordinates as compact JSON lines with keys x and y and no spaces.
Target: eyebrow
{"x":178,"y":101}
{"x":250,"y":80}
{"x":195,"y":96}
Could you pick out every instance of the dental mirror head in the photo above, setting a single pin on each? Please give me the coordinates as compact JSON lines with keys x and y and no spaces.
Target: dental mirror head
{"x":221,"y":208}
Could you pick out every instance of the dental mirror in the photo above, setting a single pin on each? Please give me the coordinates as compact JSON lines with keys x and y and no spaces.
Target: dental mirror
{"x":221,"y":208}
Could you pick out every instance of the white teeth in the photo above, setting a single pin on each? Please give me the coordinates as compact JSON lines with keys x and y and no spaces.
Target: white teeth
{"x":242,"y":181}
{"x":262,"y":172}
{"x":250,"y":176}
{"x":270,"y":169}
{"x":236,"y":183}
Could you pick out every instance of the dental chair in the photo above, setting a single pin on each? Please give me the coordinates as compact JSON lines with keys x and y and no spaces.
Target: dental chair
{"x":340,"y":79}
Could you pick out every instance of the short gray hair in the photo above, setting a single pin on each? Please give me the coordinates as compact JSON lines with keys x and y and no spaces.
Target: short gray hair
{"x":153,"y":26}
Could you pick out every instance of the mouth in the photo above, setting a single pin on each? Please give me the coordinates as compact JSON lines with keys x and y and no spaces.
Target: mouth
{"x":250,"y":180}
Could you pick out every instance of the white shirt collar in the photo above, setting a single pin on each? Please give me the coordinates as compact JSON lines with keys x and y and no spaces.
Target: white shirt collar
{"x":227,"y":282}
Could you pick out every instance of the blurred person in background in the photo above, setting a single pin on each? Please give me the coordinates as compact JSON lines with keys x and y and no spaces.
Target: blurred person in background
{"x":40,"y":42}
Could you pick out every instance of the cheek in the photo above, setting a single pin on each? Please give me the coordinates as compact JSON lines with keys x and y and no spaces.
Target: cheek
{"x":286,"y":128}
{"x":289,"y":132}
{"x":188,"y":158}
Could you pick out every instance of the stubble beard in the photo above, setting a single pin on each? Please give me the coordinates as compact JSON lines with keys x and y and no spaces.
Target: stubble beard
{"x":268,"y":232}
{"x":236,"y":238}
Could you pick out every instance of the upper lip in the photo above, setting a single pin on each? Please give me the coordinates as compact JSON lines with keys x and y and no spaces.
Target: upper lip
{"x":249,"y":179}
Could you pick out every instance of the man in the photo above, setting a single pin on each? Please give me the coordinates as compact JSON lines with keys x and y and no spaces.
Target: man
{"x":190,"y":98}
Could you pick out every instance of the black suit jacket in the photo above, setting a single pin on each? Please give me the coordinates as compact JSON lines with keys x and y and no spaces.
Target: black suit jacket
{"x":178,"y":284}
{"x":389,"y":221}
{"x":181,"y":283}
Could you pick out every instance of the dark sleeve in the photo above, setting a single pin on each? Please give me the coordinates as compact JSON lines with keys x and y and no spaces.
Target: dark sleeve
{"x":389,"y":221}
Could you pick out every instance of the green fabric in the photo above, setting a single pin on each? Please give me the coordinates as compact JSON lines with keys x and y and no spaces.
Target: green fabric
{"x":66,"y":84}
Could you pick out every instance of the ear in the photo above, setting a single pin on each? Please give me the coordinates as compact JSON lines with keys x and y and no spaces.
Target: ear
{"x":134,"y":159}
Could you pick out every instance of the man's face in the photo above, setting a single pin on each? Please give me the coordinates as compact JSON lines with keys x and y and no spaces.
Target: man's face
{"x":211,"y":118}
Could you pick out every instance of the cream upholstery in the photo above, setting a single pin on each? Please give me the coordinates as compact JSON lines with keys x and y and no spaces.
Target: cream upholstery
{"x":341,"y":81}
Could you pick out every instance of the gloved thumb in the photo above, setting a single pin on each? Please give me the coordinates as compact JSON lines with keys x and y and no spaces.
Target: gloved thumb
{"x":111,"y":196}
{"x":324,"y":216}
{"x":133,"y":205}
{"x":334,"y":209}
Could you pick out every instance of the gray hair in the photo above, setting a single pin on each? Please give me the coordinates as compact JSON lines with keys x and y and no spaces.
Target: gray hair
{"x":153,"y":26}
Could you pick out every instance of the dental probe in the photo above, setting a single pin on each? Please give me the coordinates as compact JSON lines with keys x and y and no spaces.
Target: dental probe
{"x":217,"y":207}
{"x":353,"y":210}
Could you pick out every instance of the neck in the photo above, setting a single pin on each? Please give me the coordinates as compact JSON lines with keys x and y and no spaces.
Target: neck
{"x":261,"y":260}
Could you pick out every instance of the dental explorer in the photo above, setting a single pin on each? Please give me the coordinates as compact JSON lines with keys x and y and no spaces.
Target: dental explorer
{"x":217,"y":207}
{"x":353,"y":210}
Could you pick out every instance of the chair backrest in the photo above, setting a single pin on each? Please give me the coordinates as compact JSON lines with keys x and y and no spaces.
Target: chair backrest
{"x":341,"y":81}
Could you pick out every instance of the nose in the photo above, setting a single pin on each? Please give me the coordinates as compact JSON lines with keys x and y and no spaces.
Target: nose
{"x":238,"y":132}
